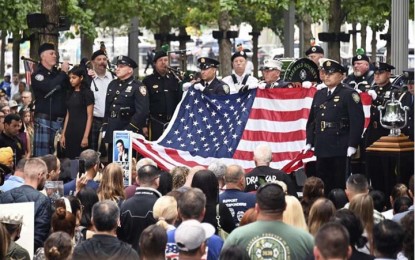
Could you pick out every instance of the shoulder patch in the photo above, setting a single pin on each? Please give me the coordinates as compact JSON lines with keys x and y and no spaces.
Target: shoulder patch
{"x":39,"y":77}
{"x":356,"y":97}
{"x":226,"y":88}
{"x":143,"y":90}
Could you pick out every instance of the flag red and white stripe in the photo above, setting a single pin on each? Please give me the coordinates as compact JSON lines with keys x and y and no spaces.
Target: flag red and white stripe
{"x":278,"y":118}
{"x":28,"y":67}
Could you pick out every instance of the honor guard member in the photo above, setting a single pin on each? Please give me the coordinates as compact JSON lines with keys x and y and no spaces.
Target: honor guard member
{"x":407,"y":99}
{"x":49,"y":89}
{"x":381,"y":92}
{"x":271,"y":72}
{"x":164,"y":94}
{"x":362,"y":76}
{"x":209,"y":84}
{"x":126,"y":105}
{"x":315,"y":53}
{"x":239,"y":80}
{"x":334,"y":127}
{"x":101,"y":78}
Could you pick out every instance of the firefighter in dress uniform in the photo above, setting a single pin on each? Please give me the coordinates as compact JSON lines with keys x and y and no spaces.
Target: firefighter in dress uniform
{"x":334,"y":127}
{"x":164,"y":95}
{"x":127,"y":103}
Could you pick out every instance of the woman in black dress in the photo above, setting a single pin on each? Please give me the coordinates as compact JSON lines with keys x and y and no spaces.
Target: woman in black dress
{"x":78,"y":120}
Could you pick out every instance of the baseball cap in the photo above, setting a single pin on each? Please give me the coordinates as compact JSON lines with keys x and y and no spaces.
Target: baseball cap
{"x":13,"y":103}
{"x":11,"y":218}
{"x":191,"y":234}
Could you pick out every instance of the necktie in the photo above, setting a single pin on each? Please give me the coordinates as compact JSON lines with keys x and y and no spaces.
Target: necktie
{"x":329,"y":93}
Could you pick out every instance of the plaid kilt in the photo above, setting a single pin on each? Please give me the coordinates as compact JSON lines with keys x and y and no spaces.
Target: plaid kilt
{"x":44,"y":136}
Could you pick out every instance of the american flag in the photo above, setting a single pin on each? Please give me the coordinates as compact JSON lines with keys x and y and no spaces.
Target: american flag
{"x":28,"y":67}
{"x":206,"y":128}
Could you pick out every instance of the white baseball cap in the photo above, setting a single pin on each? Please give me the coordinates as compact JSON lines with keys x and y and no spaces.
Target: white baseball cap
{"x":191,"y":234}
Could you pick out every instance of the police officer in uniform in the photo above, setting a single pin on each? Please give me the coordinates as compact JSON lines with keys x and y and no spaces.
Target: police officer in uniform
{"x":239,"y":80}
{"x":164,"y":94}
{"x":381,"y":92}
{"x":334,"y":127}
{"x":362,"y":76}
{"x":271,"y":72}
{"x":315,"y":53}
{"x":49,"y":89}
{"x":407,"y":99}
{"x":209,"y":84}
{"x":127,"y":103}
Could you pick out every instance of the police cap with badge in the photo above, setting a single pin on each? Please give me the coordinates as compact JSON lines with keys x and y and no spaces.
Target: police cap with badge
{"x":380,"y":67}
{"x":331,"y":66}
{"x":239,"y":54}
{"x":125,"y":60}
{"x":314,"y":49}
{"x":206,"y":63}
{"x":408,"y":76}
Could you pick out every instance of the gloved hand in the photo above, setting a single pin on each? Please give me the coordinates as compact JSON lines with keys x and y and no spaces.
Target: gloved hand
{"x":199,"y":86}
{"x":253,"y":85}
{"x":350,"y":151}
{"x":321,"y":86}
{"x":307,"y":84}
{"x":186,"y":86}
{"x":262,"y":85}
{"x":306,"y":148}
{"x":295,"y":85}
{"x":358,"y":91}
{"x":372,"y":93}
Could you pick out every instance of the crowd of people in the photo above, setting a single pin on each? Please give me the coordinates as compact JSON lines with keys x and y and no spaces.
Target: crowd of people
{"x":217,"y":212}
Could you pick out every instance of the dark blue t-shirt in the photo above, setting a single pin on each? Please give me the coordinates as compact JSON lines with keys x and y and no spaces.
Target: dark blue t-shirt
{"x":237,"y":202}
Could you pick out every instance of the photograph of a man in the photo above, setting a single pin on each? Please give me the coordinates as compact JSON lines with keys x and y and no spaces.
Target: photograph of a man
{"x":122,"y":152}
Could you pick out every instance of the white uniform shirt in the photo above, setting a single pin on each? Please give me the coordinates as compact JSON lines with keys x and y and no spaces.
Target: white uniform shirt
{"x":234,"y":88}
{"x":101,"y":84}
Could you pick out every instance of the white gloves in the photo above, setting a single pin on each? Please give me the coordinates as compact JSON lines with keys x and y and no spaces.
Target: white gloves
{"x":262,"y":85}
{"x":307,"y":84}
{"x":358,"y":90}
{"x":199,"y":86}
{"x":253,"y":86}
{"x":186,"y":86}
{"x":350,"y":151}
{"x":306,"y":148}
{"x":321,"y":86}
{"x":372,"y":93}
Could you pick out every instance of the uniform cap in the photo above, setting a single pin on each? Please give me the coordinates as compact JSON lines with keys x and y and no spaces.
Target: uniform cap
{"x":381,"y":66}
{"x":331,"y":66}
{"x":126,"y":61}
{"x":408,"y":75}
{"x":360,"y":57}
{"x":191,"y":234}
{"x":239,"y":54}
{"x":45,"y":47}
{"x":97,"y":53}
{"x":314,"y":49}
{"x":272,"y":65}
{"x":206,"y":63}
{"x":158,"y":55}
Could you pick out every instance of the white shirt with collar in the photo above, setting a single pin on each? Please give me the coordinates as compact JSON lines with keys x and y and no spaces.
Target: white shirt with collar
{"x":234,"y":88}
{"x":100,"y":92}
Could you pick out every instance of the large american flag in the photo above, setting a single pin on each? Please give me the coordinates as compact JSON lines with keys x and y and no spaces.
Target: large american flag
{"x":206,"y":128}
{"x":28,"y":67}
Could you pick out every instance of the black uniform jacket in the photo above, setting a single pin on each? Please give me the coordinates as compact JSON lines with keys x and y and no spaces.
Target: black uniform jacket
{"x":216,"y":87}
{"x":126,"y":106}
{"x":335,"y":122}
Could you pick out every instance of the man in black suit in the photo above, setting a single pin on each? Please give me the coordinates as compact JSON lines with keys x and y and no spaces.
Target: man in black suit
{"x":334,"y":126}
{"x":263,"y":173}
{"x":407,"y":99}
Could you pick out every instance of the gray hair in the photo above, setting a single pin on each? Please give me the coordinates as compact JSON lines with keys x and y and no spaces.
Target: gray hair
{"x":263,"y":154}
{"x":218,"y":168}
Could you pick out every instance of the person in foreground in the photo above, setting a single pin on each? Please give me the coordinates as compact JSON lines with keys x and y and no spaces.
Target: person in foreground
{"x":269,"y":237}
{"x":105,"y":244}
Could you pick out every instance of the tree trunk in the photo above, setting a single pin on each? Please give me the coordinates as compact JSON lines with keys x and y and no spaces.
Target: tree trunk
{"x":34,"y":46}
{"x":2,"y":51}
{"x":354,"y":41}
{"x":225,"y":46}
{"x":373,"y":45}
{"x":182,"y":46}
{"x":50,"y":33}
{"x":388,"y":44}
{"x":16,"y":52}
{"x":87,"y":44}
{"x":307,"y":33}
{"x":164,"y":29}
{"x":335,"y":21}
{"x":363,"y":35}
{"x":255,"y":36}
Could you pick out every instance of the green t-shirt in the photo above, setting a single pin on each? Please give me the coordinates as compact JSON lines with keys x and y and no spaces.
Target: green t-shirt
{"x":272,"y":240}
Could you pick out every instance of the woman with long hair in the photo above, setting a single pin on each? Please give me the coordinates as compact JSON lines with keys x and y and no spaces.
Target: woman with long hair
{"x":320,"y":213}
{"x":27,"y":131}
{"x":293,"y":213}
{"x":312,"y":190}
{"x":165,"y":212}
{"x":362,"y":206}
{"x":111,"y":186}
{"x":206,"y":181}
{"x":78,"y":120}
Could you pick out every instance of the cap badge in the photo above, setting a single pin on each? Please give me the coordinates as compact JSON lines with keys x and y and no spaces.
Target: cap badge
{"x":328,"y":63}
{"x":359,"y":56}
{"x":120,"y":57}
{"x":202,"y":60}
{"x":313,"y":49}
